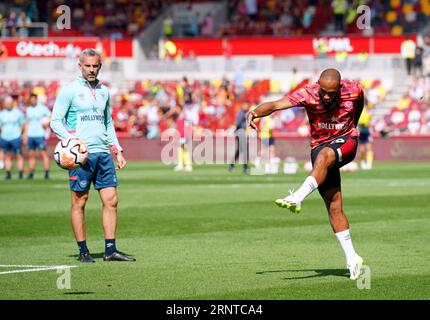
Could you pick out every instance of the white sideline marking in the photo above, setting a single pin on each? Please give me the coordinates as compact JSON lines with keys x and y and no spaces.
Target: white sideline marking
{"x":33,"y":268}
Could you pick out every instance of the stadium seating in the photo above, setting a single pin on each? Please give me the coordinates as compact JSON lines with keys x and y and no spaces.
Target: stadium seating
{"x":144,"y":103}
{"x":140,"y":106}
{"x":127,"y":18}
{"x":411,"y":114}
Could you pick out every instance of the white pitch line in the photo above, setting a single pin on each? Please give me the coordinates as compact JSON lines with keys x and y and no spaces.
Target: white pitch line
{"x":30,"y":266}
{"x":33,"y":268}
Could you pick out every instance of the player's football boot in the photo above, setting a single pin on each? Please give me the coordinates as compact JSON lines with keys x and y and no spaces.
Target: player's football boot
{"x":178,"y":168}
{"x":355,"y":268}
{"x":290,"y":202}
{"x":86,"y":258}
{"x":118,"y":256}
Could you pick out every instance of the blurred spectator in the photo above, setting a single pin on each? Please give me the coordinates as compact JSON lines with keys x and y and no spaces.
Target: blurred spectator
{"x":208,"y":26}
{"x":321,"y":49}
{"x":417,"y":89}
{"x":31,"y":9}
{"x":123,"y":18}
{"x":418,"y":62}
{"x":414,"y":119}
{"x":193,"y":25}
{"x":3,"y":26}
{"x":425,"y":127}
{"x":167,"y":26}
{"x":308,"y":16}
{"x":144,"y":108}
{"x":152,"y":119}
{"x":340,"y":8}
{"x":408,"y":53}
{"x":12,"y":24}
{"x":251,"y":9}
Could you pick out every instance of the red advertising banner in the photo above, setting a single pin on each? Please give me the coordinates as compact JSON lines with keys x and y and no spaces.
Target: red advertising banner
{"x":62,"y":47}
{"x":289,"y":46}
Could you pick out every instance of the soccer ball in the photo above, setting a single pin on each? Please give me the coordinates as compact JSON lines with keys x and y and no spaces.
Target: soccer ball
{"x":71,"y":153}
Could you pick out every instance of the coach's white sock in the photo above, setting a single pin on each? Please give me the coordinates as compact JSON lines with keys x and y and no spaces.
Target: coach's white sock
{"x":306,"y":189}
{"x":345,"y":241}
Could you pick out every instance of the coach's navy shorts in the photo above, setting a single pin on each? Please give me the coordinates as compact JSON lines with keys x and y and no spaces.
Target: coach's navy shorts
{"x":35,"y":143}
{"x":345,"y":149}
{"x":99,"y":169}
{"x":12,"y":145}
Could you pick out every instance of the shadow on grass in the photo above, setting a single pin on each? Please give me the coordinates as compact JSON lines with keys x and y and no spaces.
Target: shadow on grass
{"x":78,"y":293}
{"x":317,"y":273}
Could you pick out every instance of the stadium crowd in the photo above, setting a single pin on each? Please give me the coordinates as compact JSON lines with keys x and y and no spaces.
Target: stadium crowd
{"x":411,"y":114}
{"x":128,"y":18}
{"x":146,"y":108}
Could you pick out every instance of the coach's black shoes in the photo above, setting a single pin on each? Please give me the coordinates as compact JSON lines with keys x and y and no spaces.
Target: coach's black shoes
{"x":118,"y":256}
{"x":86,"y":258}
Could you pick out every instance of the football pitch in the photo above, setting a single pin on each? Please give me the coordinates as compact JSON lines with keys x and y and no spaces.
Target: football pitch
{"x":211,"y":234}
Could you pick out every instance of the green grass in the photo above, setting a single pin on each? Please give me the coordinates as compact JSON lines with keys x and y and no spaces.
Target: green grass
{"x":215,"y":235}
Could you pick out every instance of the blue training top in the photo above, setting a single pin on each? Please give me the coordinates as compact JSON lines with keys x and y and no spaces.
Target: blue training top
{"x":84,"y":112}
{"x":11,"y":122}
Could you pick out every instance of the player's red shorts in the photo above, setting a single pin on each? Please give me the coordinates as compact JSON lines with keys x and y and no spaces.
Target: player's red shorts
{"x":345,"y":149}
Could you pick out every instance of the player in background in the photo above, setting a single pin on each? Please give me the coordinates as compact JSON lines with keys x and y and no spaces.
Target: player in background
{"x":241,"y":147}
{"x":267,"y":144}
{"x":1,"y":144}
{"x":84,"y":107}
{"x":185,"y":129}
{"x":365,"y":149}
{"x":37,"y":116}
{"x":12,"y":125}
{"x":333,"y":108}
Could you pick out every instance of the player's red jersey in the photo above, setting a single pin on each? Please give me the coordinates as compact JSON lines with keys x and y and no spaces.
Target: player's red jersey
{"x":328,"y":124}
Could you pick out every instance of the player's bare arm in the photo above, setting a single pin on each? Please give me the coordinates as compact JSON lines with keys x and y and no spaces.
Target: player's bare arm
{"x":266,"y":109}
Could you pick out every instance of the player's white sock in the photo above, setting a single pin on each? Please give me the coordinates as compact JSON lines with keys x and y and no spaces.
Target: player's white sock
{"x":306,"y":189}
{"x":346,"y":242}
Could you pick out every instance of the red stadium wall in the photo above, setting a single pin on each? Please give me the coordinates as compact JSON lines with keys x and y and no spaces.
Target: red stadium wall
{"x":289,"y":46}
{"x":385,"y":149}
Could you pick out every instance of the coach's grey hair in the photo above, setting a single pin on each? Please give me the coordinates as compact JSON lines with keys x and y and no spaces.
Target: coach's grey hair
{"x":89,"y":52}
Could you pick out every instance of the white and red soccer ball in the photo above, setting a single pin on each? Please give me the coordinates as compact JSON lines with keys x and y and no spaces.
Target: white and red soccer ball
{"x":71,"y":153}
